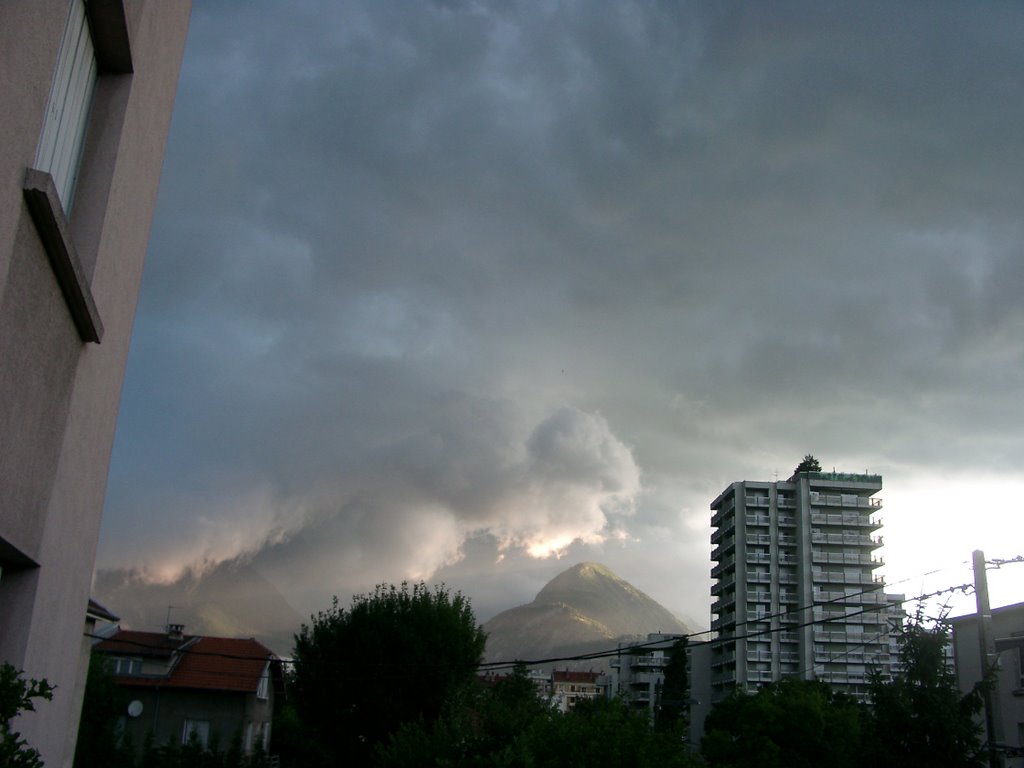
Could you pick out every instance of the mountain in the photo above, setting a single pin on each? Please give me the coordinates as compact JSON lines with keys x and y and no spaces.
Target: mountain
{"x":231,"y":600}
{"x":584,"y":609}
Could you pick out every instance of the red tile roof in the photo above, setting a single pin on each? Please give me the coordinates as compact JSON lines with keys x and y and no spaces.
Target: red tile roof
{"x":209,"y":663}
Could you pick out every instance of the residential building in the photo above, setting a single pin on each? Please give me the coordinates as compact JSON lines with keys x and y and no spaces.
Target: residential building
{"x":638,"y":670}
{"x":1008,"y":694}
{"x":183,"y":686}
{"x":570,"y":687}
{"x":795,"y":590}
{"x":87,"y":88}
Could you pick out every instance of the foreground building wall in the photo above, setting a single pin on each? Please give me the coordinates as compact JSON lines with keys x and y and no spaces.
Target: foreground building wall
{"x":73,"y":236}
{"x":1008,"y":633}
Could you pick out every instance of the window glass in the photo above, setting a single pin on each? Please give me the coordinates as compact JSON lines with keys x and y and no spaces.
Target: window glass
{"x":201,"y":729}
{"x":67,"y":110}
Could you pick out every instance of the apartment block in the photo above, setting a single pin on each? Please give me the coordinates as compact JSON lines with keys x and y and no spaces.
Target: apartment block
{"x":795,"y":586}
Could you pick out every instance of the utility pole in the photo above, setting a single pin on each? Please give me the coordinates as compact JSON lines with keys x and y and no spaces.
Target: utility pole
{"x":987,"y":648}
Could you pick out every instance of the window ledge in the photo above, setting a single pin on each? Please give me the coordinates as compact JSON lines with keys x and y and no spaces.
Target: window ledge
{"x":48,"y":216}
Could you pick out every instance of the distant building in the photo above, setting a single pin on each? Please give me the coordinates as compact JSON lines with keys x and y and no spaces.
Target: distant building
{"x":569,"y":687}
{"x":795,"y":593}
{"x":87,"y":90}
{"x":638,"y":671}
{"x":1008,"y":632}
{"x":182,"y":686}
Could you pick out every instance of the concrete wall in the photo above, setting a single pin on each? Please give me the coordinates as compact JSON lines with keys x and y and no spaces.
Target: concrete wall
{"x":58,"y":395}
{"x":1007,"y":629}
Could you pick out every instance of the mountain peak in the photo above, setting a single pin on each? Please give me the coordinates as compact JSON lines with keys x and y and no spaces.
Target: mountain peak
{"x":583,"y":607}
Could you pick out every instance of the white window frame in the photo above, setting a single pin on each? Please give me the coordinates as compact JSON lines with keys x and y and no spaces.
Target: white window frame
{"x":67,"y":109}
{"x":262,"y":688}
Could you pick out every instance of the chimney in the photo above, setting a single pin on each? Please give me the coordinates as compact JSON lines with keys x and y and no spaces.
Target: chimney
{"x":175,"y":631}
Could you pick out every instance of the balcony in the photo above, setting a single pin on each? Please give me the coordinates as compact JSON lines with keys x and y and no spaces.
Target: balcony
{"x":760,"y":520}
{"x":725,"y":658}
{"x":759,"y":597}
{"x":721,"y":530}
{"x":759,"y":538}
{"x":819,"y":499}
{"x":846,"y":539}
{"x":724,"y":548}
{"x":724,"y":622}
{"x":786,"y":521}
{"x":848,"y":520}
{"x":841,"y":558}
{"x":726,"y":564}
{"x":758,"y":557}
{"x":787,"y":541}
{"x":757,"y":501}
{"x":725,"y":604}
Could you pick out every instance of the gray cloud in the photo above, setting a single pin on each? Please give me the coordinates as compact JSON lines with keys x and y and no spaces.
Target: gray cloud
{"x":431,"y":280}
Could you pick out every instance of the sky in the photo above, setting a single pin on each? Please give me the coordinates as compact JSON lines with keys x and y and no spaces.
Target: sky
{"x":473,"y":291}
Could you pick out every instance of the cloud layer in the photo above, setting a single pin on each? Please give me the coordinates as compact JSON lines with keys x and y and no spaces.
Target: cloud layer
{"x":437,"y":282}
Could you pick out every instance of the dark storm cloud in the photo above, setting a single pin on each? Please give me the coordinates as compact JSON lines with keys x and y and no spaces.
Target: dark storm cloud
{"x":518,"y":273}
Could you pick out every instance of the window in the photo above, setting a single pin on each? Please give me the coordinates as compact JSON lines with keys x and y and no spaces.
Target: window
{"x":79,"y":76}
{"x":67,"y":110}
{"x":127,"y":666}
{"x":200,"y":729}
{"x":264,"y":684}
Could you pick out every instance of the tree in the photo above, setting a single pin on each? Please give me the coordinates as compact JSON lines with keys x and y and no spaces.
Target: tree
{"x":921,"y":718}
{"x":393,"y":657}
{"x":603,"y":733}
{"x":809,"y":464}
{"x":16,"y":695}
{"x":674,"y":699}
{"x":99,"y":738}
{"x":792,"y":723}
{"x":483,"y":725}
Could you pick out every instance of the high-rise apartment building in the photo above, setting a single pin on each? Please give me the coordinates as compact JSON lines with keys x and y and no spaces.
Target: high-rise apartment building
{"x":795,"y":592}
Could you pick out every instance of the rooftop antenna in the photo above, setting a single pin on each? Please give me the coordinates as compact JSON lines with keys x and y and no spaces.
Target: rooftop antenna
{"x":168,"y":622}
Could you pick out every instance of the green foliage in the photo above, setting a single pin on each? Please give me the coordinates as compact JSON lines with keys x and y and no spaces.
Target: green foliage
{"x":396,"y":656}
{"x":99,"y":737}
{"x":789,"y":724}
{"x":809,"y":464}
{"x":16,"y":696}
{"x":605,"y":733}
{"x":510,"y":725}
{"x":921,"y":718}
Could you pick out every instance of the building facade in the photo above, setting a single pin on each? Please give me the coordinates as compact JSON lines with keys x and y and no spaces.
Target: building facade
{"x":638,"y":670}
{"x":1007,"y":629}
{"x":570,"y":687}
{"x":87,"y":89}
{"x":182,"y":687}
{"x":795,"y":590}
